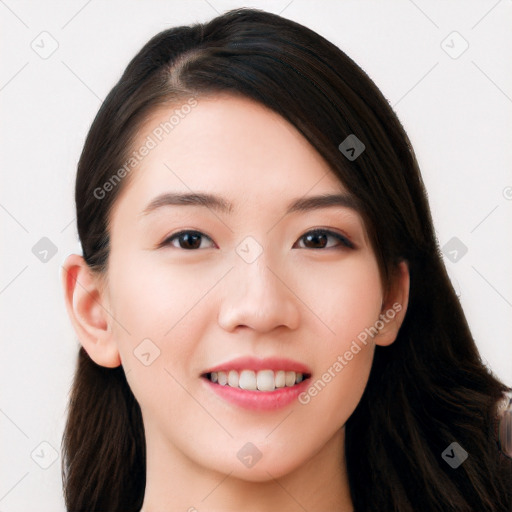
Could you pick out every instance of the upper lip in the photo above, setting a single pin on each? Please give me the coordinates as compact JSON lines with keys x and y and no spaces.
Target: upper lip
{"x":256,"y":364}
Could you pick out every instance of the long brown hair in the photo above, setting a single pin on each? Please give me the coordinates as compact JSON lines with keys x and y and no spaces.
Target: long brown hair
{"x":425,"y":391}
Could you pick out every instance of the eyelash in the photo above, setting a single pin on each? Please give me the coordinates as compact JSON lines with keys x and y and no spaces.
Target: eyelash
{"x":345,"y":242}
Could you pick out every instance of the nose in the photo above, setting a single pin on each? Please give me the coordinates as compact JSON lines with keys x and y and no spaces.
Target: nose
{"x":258,"y":297}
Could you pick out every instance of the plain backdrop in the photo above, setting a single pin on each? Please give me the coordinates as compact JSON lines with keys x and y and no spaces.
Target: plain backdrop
{"x":445,"y":68}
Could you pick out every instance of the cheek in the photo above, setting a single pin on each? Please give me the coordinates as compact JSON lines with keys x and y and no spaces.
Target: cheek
{"x":334,"y":394}
{"x":349,"y":305}
{"x":349,"y":298}
{"x":159,"y":310}
{"x":341,"y":372}
{"x":155,"y":299}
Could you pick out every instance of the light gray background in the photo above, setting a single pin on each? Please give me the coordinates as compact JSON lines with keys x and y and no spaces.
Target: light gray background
{"x":457,"y":112}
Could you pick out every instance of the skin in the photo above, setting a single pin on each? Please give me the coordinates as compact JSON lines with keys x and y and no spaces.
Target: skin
{"x":205,"y":306}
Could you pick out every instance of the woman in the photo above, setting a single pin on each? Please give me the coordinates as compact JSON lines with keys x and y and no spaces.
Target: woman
{"x":265,"y":317}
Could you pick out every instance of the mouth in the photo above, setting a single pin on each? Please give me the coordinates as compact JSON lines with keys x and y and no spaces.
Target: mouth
{"x":263,"y":380}
{"x":258,"y":384}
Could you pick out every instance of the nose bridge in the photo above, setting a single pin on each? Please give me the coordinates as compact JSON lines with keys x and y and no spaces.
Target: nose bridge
{"x":255,"y":278}
{"x":256,"y":295}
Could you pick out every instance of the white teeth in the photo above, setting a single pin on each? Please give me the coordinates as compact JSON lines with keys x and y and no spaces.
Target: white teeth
{"x":247,"y":380}
{"x":290,"y":378}
{"x":264,"y":380}
{"x":233,"y":379}
{"x":280,"y":379}
{"x":222,"y":378}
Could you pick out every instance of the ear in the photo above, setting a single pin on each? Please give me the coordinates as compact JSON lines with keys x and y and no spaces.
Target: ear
{"x":394,"y":305}
{"x":88,"y":311}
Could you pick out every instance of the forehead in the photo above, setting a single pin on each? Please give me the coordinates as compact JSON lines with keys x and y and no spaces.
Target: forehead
{"x":230,"y":146}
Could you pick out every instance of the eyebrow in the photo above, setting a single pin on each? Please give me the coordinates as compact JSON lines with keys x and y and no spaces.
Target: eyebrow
{"x":220,"y":204}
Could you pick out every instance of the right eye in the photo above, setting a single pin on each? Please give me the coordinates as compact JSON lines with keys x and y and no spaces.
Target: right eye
{"x":188,"y":240}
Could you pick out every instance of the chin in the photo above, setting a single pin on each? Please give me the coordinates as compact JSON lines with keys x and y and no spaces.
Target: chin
{"x":268,"y":468}
{"x":260,"y":474}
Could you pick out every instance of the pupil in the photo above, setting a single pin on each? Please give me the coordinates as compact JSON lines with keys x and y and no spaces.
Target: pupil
{"x":316,"y":236}
{"x":187,"y":237}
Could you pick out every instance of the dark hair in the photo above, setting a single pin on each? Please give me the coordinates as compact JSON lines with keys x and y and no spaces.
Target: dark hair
{"x":426,"y":390}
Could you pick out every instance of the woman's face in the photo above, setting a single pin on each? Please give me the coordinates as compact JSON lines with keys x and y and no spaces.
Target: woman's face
{"x":252,"y":282}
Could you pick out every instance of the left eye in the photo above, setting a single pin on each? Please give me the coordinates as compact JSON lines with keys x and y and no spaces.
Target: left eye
{"x":191,"y":240}
{"x":318,"y":236}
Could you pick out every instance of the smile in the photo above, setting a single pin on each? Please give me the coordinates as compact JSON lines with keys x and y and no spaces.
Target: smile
{"x":263,"y":380}
{"x":258,"y":384}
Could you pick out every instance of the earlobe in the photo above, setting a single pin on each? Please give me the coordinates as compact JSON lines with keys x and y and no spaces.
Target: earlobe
{"x":394,"y":306}
{"x":88,"y":311}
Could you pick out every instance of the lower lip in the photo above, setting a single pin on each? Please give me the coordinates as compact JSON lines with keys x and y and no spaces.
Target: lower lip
{"x":258,"y":400}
